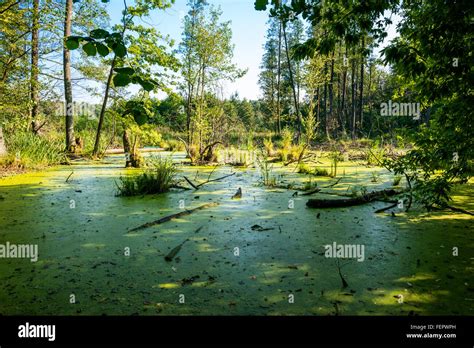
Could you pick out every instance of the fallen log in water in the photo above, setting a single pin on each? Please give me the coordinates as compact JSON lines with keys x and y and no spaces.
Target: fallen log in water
{"x":349,"y":202}
{"x":173,"y":216}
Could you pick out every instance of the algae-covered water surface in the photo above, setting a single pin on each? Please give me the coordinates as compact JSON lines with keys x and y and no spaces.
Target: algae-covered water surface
{"x":265,"y":253}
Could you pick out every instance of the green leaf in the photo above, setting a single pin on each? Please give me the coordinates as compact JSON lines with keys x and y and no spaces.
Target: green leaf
{"x":140,"y":118}
{"x":120,"y":50}
{"x":261,"y":5}
{"x":99,"y":34}
{"x":147,"y":85}
{"x":72,"y":42}
{"x":121,"y":80}
{"x":102,"y":49}
{"x":90,"y":49}
{"x":126,"y":70}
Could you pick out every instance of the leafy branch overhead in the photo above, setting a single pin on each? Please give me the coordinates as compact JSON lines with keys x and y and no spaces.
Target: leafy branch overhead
{"x":101,"y":42}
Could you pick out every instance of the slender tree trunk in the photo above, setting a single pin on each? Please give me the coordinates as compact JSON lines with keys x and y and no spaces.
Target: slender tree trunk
{"x":318,"y":117}
{"x":361,"y":89}
{"x":325,"y":97}
{"x":369,"y":97}
{"x":353,"y":106}
{"x":70,"y":141}
{"x":104,"y":107}
{"x":343,"y":97}
{"x":106,"y":99}
{"x":34,"y":88}
{"x":292,"y":82}
{"x":331,"y":122}
{"x":279,"y":79}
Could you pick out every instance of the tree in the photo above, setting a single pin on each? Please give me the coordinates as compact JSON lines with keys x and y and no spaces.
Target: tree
{"x":102,"y":42}
{"x":434,"y":52}
{"x":34,"y":66}
{"x":206,"y":51}
{"x":70,"y":141}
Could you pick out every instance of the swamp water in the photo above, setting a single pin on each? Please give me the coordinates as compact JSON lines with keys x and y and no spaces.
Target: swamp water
{"x":279,"y":268}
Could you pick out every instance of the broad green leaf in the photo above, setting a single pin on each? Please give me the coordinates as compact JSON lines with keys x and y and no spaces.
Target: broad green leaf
{"x":126,"y":70}
{"x":90,"y":49}
{"x":121,"y":80}
{"x":120,"y":50}
{"x":147,"y":85}
{"x":140,"y":118}
{"x":102,"y":49}
{"x":99,"y":34}
{"x":261,"y":5}
{"x":72,"y":42}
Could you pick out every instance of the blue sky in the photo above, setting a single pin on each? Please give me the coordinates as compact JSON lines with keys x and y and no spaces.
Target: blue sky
{"x":248,"y":29}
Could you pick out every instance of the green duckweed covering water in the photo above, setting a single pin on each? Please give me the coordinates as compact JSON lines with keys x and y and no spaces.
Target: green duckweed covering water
{"x":81,"y":231}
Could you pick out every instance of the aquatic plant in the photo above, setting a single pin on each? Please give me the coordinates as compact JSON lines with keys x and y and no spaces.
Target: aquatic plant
{"x":158,"y":177}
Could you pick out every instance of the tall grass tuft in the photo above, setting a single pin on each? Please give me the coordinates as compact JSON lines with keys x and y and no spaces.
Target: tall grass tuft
{"x":158,"y":177}
{"x":27,"y":150}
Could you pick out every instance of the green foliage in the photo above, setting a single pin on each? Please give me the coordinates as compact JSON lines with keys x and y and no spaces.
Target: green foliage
{"x":268,"y":145}
{"x":396,"y":180}
{"x":376,"y":154}
{"x":434,"y":53}
{"x":320,"y":172}
{"x":27,"y":150}
{"x":157,"y":178}
{"x":140,"y":110}
{"x":335,"y":156}
{"x":303,"y":168}
{"x":266,"y":168}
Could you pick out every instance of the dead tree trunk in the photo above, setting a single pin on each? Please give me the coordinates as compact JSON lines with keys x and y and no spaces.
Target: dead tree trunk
{"x":349,"y":202}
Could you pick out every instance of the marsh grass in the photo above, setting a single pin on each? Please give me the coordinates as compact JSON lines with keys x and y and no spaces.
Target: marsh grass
{"x":27,"y":150}
{"x":157,"y":178}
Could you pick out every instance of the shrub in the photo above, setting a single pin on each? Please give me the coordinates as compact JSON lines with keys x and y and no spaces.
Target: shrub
{"x":157,"y":178}
{"x":320,"y":172}
{"x":303,"y":168}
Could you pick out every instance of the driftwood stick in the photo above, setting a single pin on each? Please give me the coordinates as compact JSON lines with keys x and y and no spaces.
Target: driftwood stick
{"x":190,"y":183}
{"x":174,"y":251}
{"x":386,"y":208}
{"x":334,"y":184}
{"x":316,"y":190}
{"x":180,"y":187}
{"x":208,"y":181}
{"x":69,"y":176}
{"x":173,"y":216}
{"x":459,"y":210}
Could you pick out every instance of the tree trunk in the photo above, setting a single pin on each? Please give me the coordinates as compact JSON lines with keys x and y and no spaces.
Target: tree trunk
{"x":330,"y":124}
{"x":132,"y":158}
{"x":325,"y":97}
{"x":70,"y":141}
{"x":104,"y":107}
{"x":3,"y":149}
{"x":343,"y":94}
{"x":279,"y":79}
{"x":106,"y":99}
{"x":353,"y":106}
{"x":361,"y":89}
{"x":292,"y":82}
{"x":34,"y":94}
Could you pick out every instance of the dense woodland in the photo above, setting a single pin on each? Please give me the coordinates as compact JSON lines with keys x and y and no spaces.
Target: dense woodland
{"x":321,"y":81}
